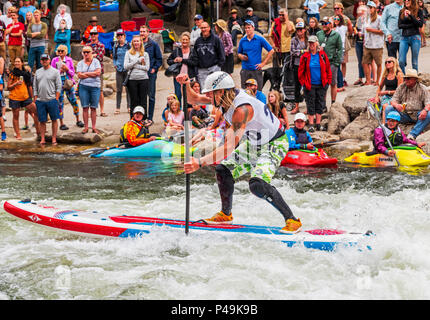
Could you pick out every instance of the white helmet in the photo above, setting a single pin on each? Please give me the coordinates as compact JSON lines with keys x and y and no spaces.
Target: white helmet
{"x":139,"y":109}
{"x":300,"y":116}
{"x":218,"y":80}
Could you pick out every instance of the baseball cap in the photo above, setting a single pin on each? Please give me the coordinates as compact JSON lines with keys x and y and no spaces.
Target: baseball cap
{"x":139,"y":109}
{"x":94,"y":30}
{"x":371,"y":4}
{"x":300,"y":25}
{"x":249,"y":9}
{"x":313,"y":39}
{"x":233,"y":11}
{"x":251,"y":81}
{"x":120,"y":31}
{"x":45,"y":56}
{"x":250,"y":22}
{"x":198,"y":17}
{"x":300,"y":116}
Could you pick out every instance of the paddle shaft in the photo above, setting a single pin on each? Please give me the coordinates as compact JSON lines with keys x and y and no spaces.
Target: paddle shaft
{"x":187,"y":158}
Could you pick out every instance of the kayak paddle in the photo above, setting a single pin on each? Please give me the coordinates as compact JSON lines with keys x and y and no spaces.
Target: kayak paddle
{"x":374,"y":111}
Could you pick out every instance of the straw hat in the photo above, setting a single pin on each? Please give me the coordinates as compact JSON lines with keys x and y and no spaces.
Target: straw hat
{"x":222,"y":24}
{"x":411,"y":73}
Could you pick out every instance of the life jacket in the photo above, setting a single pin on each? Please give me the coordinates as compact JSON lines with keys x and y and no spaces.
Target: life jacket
{"x":135,"y":130}
{"x":395,"y":136}
{"x":301,"y":136}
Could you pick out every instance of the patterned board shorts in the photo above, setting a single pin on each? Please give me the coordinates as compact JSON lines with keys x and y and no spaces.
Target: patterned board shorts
{"x":261,"y":162}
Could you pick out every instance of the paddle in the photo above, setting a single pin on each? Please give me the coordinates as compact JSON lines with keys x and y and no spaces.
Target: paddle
{"x":375,"y":114}
{"x":99,"y":150}
{"x":323,"y":144}
{"x":187,"y":124}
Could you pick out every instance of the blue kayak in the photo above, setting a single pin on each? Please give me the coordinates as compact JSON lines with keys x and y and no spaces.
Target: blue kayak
{"x":153,"y":149}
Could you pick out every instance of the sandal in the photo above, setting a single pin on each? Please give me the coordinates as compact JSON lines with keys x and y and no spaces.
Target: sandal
{"x":116,"y":112}
{"x":358,"y":82}
{"x":54,"y":143}
{"x":84,"y":131}
{"x":103,"y":114}
{"x":96,"y":131}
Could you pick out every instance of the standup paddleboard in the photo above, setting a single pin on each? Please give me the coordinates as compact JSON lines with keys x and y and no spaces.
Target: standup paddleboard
{"x":122,"y":226}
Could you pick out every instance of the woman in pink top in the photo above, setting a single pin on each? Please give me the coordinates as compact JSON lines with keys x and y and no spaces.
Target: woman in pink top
{"x":64,"y":63}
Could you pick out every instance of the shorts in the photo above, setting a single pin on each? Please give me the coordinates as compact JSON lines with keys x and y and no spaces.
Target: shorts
{"x":89,"y":96}
{"x":372,"y":54}
{"x":47,"y":107}
{"x":334,"y":70}
{"x":315,"y":99}
{"x":15,"y":104}
{"x":261,"y":161}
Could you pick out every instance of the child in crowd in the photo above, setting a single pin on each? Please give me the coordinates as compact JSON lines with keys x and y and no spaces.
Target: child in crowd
{"x":199,"y":117}
{"x":298,"y":137}
{"x":175,"y":119}
{"x":170,"y":98}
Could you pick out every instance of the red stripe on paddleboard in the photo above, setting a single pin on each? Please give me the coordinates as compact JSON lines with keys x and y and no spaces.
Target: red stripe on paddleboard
{"x":63,"y":224}
{"x":134,"y":219}
{"x":325,"y":232}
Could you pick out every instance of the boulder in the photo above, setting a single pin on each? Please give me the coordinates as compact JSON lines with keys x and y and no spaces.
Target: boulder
{"x":345,"y":148}
{"x":107,"y":92}
{"x":425,"y":137}
{"x":338,"y":118}
{"x":355,"y":101}
{"x":361,"y":128}
{"x":108,"y":65}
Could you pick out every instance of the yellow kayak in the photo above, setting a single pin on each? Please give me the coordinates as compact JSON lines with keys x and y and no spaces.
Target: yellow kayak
{"x":407,"y":155}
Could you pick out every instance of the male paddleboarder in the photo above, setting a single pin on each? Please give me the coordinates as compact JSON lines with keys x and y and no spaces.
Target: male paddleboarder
{"x":260,"y":152}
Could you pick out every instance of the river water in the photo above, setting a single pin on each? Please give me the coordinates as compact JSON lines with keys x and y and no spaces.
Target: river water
{"x":41,"y":263}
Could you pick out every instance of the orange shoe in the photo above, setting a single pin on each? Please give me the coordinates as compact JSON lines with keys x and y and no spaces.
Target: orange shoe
{"x":220,"y":218}
{"x":292,"y":226}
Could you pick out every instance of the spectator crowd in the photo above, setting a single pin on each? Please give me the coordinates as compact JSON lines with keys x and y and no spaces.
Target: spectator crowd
{"x":304,"y":60}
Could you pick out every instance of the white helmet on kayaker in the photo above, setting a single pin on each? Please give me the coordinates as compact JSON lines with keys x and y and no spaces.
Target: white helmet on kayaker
{"x":300,"y":116}
{"x":218,"y":80}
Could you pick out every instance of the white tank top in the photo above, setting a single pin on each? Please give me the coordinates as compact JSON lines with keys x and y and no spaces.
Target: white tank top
{"x":263,"y":126}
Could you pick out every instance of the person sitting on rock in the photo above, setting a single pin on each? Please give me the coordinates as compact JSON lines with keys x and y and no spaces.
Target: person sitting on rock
{"x":412,"y":98}
{"x":394,"y":134}
{"x":86,"y":38}
{"x":391,"y":79}
{"x":298,"y":137}
{"x":135,"y":132}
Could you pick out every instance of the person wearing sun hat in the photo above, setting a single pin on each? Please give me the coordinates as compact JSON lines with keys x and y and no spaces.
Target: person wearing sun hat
{"x":226,"y":39}
{"x":234,"y":25}
{"x":93,"y":24}
{"x":412,"y":101}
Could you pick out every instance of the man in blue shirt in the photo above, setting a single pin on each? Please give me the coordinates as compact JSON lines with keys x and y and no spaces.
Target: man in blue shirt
{"x":26,"y":8}
{"x":313,"y":7}
{"x":249,"y":51}
{"x":119,"y":49}
{"x":155,"y":60}
{"x":390,"y":27}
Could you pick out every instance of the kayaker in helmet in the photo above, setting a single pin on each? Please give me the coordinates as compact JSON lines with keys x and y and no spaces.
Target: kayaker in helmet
{"x":135,"y":132}
{"x":254,"y":142}
{"x":396,"y":136}
{"x":298,"y":137}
